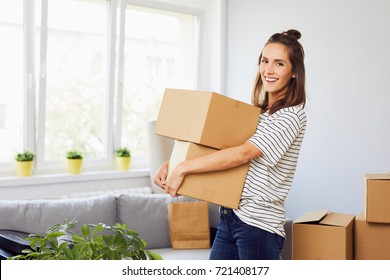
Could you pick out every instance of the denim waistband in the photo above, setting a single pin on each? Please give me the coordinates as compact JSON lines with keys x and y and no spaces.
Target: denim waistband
{"x":225,"y":210}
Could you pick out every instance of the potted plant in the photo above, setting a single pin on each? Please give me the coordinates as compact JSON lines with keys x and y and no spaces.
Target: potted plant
{"x":96,"y":242}
{"x":24,"y":163}
{"x":123,"y":158}
{"x":75,"y":161}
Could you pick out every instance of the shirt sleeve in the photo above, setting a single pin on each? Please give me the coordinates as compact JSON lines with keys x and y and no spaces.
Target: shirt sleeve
{"x":275,"y":138}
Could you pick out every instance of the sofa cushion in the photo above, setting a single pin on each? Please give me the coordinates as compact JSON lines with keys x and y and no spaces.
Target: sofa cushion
{"x":148,"y":215}
{"x":36,"y":216}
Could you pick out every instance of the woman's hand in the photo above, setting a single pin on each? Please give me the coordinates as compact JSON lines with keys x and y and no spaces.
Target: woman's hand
{"x":175,"y":180}
{"x":161,"y":175}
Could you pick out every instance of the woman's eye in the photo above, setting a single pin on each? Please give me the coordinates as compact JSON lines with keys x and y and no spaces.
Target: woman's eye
{"x":264,"y":61}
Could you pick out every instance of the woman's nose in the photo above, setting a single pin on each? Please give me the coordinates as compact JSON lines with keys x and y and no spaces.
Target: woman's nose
{"x":269,"y":69}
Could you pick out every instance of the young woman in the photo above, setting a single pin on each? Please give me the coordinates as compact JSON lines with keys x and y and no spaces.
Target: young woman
{"x":256,"y":229}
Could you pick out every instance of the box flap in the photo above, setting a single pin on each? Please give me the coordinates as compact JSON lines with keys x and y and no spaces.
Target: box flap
{"x":312,"y":216}
{"x":337,"y":219}
{"x":381,"y":176}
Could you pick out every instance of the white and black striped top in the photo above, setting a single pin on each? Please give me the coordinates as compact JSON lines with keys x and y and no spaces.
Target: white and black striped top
{"x":279,"y":138}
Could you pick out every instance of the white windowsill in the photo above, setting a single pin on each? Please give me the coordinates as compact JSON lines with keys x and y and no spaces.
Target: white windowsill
{"x":41,"y":179}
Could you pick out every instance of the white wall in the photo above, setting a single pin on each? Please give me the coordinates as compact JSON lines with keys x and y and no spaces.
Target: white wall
{"x":347,"y":47}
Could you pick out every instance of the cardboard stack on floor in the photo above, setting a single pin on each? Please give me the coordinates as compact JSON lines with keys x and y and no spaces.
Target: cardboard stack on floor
{"x":337,"y":236}
{"x":372,"y":227}
{"x":203,"y":122}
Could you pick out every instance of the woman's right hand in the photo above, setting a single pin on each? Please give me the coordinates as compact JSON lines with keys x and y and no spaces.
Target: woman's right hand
{"x":161,"y":175}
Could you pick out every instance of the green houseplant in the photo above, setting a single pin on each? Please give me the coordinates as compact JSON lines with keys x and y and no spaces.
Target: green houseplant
{"x":123,"y":158}
{"x":96,"y":242}
{"x":75,"y":161}
{"x":24,"y":163}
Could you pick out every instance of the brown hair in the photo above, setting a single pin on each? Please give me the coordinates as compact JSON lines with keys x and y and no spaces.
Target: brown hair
{"x":296,"y":93}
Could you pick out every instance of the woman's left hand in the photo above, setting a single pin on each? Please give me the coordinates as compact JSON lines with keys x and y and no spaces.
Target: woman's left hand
{"x":174,"y":181}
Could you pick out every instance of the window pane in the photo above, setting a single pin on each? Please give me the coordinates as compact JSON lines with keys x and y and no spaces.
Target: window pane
{"x":11,"y":76}
{"x":159,"y":53}
{"x":76,"y":78}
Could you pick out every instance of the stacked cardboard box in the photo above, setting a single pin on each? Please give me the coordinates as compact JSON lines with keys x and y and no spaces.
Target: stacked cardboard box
{"x":323,"y":235}
{"x":372,"y":228}
{"x":202,"y":122}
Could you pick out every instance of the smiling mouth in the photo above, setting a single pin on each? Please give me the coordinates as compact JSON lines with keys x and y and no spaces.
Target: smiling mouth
{"x":269,"y":79}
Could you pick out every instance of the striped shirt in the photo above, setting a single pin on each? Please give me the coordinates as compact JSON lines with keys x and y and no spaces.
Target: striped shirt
{"x":279,"y":137}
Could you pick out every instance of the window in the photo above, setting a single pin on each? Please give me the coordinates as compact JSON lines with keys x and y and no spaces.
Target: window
{"x":11,"y":73}
{"x":159,"y":52}
{"x":89,"y":74}
{"x":73,"y":82}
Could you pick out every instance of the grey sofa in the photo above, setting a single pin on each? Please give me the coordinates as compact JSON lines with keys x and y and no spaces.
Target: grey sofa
{"x":145,"y":213}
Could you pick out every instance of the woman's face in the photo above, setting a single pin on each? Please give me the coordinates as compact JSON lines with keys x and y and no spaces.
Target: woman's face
{"x":275,"y":69}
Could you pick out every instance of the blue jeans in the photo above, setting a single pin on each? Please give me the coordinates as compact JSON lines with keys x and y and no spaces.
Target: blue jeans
{"x":236,"y":240}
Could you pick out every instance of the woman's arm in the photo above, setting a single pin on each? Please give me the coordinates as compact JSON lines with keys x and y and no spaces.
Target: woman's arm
{"x":220,"y":160}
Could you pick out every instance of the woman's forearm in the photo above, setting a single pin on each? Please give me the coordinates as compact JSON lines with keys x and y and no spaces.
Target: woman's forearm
{"x":221,"y":160}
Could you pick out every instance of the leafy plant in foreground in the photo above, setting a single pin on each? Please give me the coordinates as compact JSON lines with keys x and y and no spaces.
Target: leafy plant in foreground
{"x":96,"y":242}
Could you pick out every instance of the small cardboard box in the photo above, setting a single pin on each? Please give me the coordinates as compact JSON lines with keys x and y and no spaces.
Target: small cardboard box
{"x":372,"y":240}
{"x":377,"y":198}
{"x":219,"y":187}
{"x":206,"y":118}
{"x":320,"y":235}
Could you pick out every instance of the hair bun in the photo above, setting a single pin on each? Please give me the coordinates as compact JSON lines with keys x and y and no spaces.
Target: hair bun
{"x":293,"y":33}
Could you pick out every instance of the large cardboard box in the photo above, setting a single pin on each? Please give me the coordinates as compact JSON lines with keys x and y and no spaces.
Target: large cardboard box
{"x":377,"y":198}
{"x":206,"y":118}
{"x":323,"y":235}
{"x":372,"y":240}
{"x":219,"y":187}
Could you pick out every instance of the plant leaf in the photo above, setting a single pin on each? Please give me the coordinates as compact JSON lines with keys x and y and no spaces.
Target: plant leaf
{"x":55,"y":234}
{"x":153,"y":256}
{"x":98,"y":228}
{"x":85,"y":230}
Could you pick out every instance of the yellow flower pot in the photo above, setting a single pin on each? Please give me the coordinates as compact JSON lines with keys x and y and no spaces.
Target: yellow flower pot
{"x":75,"y":165}
{"x":123,"y":163}
{"x":24,"y":168}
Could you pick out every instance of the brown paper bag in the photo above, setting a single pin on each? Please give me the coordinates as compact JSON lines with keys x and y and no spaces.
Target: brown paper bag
{"x":189,"y":225}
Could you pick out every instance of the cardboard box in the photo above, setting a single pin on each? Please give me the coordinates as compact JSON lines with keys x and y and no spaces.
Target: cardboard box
{"x":206,"y":118}
{"x":372,"y":240}
{"x":377,"y":198}
{"x":320,"y":235}
{"x":219,"y":187}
